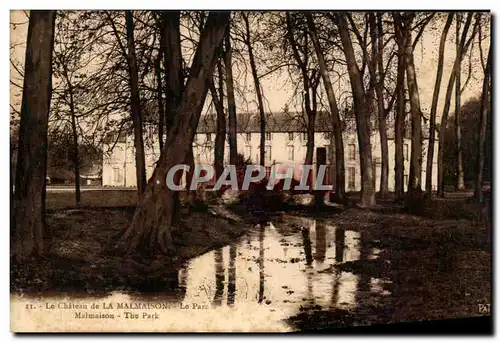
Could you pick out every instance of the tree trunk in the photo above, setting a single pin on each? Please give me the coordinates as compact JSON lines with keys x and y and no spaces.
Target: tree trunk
{"x":258,"y":91}
{"x":159,"y":98}
{"x":76,"y":155}
{"x":231,"y":102}
{"x":174,"y":86}
{"x":458,"y":86}
{"x":382,"y":125}
{"x":435,"y":98}
{"x":74,"y":133}
{"x":478,"y":189}
{"x":151,"y":228}
{"x":172,"y":56}
{"x":400,"y":118}
{"x":31,"y":169}
{"x":135,"y":103}
{"x":362,"y":117}
{"x":220,"y":137}
{"x":446,"y":109}
{"x":415,"y":182}
{"x":337,"y":129}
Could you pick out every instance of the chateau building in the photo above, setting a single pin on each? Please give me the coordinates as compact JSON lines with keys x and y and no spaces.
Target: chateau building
{"x":286,"y":143}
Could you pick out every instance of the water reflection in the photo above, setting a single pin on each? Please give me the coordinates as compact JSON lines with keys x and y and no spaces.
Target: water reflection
{"x":339,"y":243}
{"x":320,"y":254}
{"x":262,"y":233}
{"x":219,"y":277}
{"x":231,"y":286}
{"x":272,"y":272}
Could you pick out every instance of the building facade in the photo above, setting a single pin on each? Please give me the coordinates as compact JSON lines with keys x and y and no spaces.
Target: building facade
{"x":285,"y":144}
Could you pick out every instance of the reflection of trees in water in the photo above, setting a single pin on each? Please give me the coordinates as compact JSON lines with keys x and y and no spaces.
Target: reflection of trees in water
{"x":364,"y":277}
{"x":320,"y":254}
{"x":339,"y":257}
{"x":231,"y":286}
{"x":261,"y":263}
{"x":339,"y":243}
{"x":219,"y":276}
{"x":306,"y":241}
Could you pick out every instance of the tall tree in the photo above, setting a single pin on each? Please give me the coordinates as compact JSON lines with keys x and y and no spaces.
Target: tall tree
{"x":399,"y":122}
{"x":159,"y":99}
{"x":435,"y":98}
{"x":362,"y":118}
{"x":485,"y":107}
{"x":310,"y":78}
{"x":464,"y":44}
{"x":336,"y":123}
{"x":31,"y":170}
{"x":220,"y":136}
{"x":258,"y":89}
{"x":175,"y":87}
{"x":231,"y":101}
{"x":378,"y":50}
{"x":415,"y":182}
{"x":458,"y":88}
{"x":151,"y":226}
{"x":135,"y":104}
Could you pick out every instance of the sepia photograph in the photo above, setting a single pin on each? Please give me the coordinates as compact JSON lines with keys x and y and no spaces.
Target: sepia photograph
{"x":251,"y":171}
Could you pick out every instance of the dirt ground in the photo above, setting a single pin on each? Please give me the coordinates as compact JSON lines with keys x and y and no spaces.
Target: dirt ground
{"x":440,"y":267}
{"x":83,"y":255}
{"x":439,"y":263}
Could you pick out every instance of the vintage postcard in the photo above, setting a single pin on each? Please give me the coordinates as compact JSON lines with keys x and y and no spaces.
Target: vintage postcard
{"x":250,"y":171}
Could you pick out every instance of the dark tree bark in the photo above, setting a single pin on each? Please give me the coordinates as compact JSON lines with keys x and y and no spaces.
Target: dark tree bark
{"x":378,"y":47}
{"x":336,"y":124}
{"x":458,"y":85}
{"x":400,"y":116}
{"x":172,"y":56}
{"x":485,"y":107}
{"x":362,"y":118}
{"x":31,"y":170}
{"x":415,"y":181}
{"x":447,"y":103}
{"x":151,"y":226}
{"x":231,"y":102}
{"x":258,"y":89}
{"x":435,"y":99}
{"x":159,"y":99}
{"x":74,"y":134}
{"x":173,"y":64}
{"x":220,"y":137}
{"x":135,"y":103}
{"x":76,"y":156}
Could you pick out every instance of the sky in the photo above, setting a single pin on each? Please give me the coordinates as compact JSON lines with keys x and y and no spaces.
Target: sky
{"x":278,"y":92}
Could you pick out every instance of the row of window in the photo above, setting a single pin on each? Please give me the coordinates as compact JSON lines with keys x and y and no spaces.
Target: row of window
{"x":351,"y":151}
{"x":291,"y":136}
{"x":351,"y":148}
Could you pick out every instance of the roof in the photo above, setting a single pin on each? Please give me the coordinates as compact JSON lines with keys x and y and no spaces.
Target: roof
{"x":275,"y":123}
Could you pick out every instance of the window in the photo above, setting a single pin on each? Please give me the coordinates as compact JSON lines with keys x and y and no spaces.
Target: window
{"x":290,"y":135}
{"x":249,"y":136}
{"x":209,"y":137}
{"x":327,"y":135}
{"x":268,"y":136}
{"x":406,"y":180}
{"x":291,"y":151}
{"x":351,"y":151}
{"x":304,"y":136}
{"x":405,"y":151}
{"x":351,"y":178}
{"x":268,"y":154}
